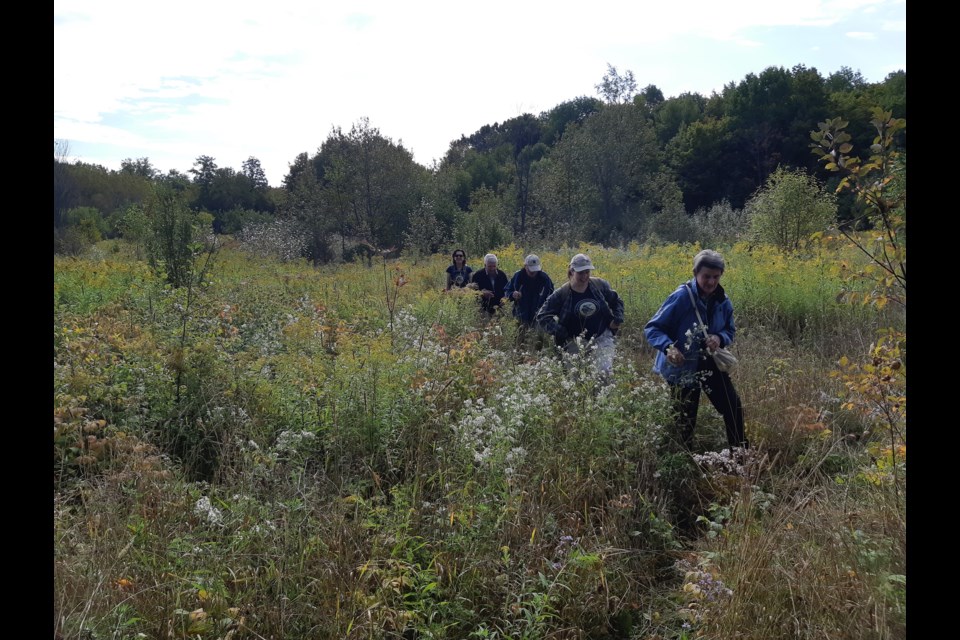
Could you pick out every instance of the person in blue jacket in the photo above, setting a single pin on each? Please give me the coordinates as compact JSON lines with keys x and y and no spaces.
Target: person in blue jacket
{"x":528,"y":289}
{"x":683,"y":352}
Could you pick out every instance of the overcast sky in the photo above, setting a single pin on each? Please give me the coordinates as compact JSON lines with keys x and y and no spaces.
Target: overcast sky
{"x":175,"y":80}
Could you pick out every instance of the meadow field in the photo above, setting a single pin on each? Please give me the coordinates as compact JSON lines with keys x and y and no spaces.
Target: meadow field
{"x":282,"y":451}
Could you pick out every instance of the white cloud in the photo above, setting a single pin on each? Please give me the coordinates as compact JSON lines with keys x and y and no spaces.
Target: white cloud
{"x":241,"y":78}
{"x":861,"y":35}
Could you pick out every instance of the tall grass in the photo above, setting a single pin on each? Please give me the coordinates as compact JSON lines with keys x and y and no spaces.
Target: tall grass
{"x":351,"y":452}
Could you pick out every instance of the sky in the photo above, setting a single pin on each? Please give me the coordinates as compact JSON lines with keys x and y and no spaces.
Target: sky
{"x":271,"y":79}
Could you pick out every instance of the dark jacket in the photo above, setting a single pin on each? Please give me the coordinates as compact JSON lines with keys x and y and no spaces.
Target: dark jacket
{"x":669,"y":326}
{"x":534,"y":289}
{"x":559,"y":307}
{"x":496,"y":284}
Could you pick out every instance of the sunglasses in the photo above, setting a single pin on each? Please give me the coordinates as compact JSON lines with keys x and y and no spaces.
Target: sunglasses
{"x":459,"y":255}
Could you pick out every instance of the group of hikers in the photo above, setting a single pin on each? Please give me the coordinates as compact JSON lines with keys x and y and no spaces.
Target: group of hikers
{"x":586,"y":313}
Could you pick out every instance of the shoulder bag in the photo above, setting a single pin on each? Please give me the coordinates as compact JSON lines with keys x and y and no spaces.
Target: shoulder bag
{"x":725,"y":360}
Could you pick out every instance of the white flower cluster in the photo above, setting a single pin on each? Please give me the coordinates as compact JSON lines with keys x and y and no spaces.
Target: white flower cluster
{"x":265,"y":338}
{"x":281,"y":238}
{"x":694,"y":335}
{"x":292,"y":441}
{"x":415,"y":339}
{"x":494,"y":433}
{"x":480,"y":429}
{"x":228,"y":415}
{"x":204,"y":509}
{"x":725,"y":463}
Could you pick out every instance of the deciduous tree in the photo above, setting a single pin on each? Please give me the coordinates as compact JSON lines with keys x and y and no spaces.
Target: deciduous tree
{"x":616,"y":88}
{"x":790,"y":208}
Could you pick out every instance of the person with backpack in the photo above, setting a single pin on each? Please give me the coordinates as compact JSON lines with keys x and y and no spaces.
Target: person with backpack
{"x":584,"y":313}
{"x":529,"y":288}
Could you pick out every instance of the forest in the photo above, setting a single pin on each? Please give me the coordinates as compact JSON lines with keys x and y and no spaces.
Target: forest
{"x":624,"y":166}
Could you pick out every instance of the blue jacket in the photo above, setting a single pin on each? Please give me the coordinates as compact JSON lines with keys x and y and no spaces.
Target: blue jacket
{"x":534,"y":290}
{"x":670,"y":324}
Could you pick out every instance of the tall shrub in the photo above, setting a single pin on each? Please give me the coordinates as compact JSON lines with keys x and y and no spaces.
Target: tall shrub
{"x":789,"y":208}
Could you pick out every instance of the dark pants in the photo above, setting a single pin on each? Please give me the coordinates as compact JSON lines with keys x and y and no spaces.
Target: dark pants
{"x":722,"y":395}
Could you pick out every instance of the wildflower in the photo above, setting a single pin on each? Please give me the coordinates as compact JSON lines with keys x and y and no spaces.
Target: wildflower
{"x":204,"y":509}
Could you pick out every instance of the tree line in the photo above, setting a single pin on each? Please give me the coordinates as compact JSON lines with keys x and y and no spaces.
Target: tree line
{"x":626,"y":165}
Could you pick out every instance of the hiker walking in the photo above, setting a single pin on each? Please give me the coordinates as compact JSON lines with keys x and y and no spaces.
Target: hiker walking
{"x":491,"y":282}
{"x":584,"y":313}
{"x":683,"y":351}
{"x":458,"y":273}
{"x":529,"y":288}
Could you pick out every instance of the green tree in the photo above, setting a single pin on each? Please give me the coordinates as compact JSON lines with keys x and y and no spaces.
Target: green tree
{"x":560,"y":198}
{"x":703,"y":156}
{"x":255,"y":174}
{"x":554,"y":122}
{"x":523,"y":135}
{"x":790,"y":208}
{"x":178,"y":181}
{"x":879,"y":185}
{"x":612,"y":172}
{"x":652,"y":96}
{"x":62,"y":184}
{"x":615,"y":88}
{"x":485,"y":225}
{"x":670,"y":116}
{"x":139,"y":167}
{"x":425,"y":235}
{"x":770,"y":116}
{"x":88,"y":221}
{"x":844,"y":79}
{"x":177,"y":236}
{"x":204,"y":170}
{"x":371,"y":183}
{"x":226,"y":193}
{"x":306,"y":206}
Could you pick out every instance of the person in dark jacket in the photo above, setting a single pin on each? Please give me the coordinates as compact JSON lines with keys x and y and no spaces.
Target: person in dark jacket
{"x":584,"y":312}
{"x":458,"y":273}
{"x":683,"y":352}
{"x":528,"y":289}
{"x":491,"y":282}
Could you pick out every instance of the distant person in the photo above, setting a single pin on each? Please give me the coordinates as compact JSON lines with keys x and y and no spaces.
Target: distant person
{"x":529,"y":288}
{"x":458,"y":273}
{"x":683,"y":352}
{"x":587,"y":308}
{"x":490,"y":282}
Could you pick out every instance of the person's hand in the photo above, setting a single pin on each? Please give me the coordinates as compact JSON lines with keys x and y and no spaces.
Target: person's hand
{"x":675,"y":356}
{"x":486,"y":293}
{"x":516,"y":295}
{"x":614,"y":327}
{"x":713,"y":342}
